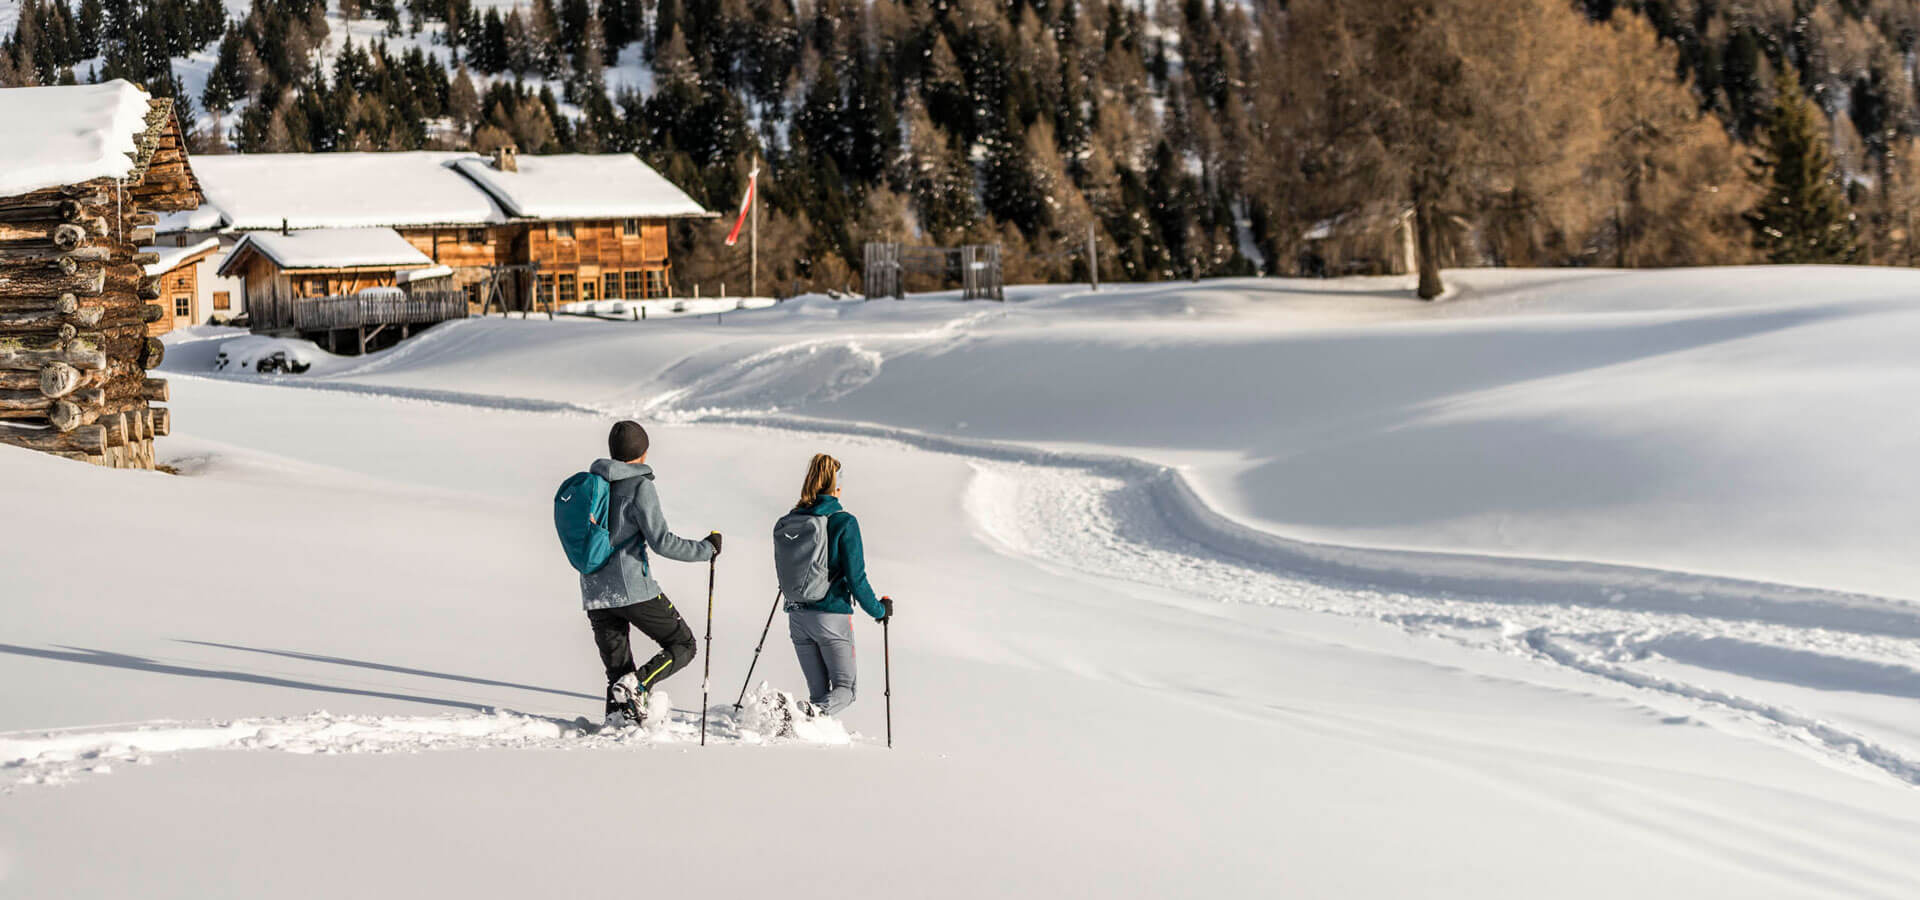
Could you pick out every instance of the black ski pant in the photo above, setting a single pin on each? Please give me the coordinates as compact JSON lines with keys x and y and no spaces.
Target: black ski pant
{"x":657,"y":619}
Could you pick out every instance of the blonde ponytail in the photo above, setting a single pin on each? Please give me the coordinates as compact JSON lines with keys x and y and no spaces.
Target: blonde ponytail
{"x":823,"y":478}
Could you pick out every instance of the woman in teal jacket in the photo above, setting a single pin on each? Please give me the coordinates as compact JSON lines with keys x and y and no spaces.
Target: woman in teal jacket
{"x":822,"y":631}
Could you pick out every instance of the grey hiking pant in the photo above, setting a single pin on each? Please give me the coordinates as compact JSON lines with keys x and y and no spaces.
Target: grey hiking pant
{"x":824,"y":641}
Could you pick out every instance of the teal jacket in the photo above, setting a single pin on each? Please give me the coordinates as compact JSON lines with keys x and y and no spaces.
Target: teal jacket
{"x":846,"y":563}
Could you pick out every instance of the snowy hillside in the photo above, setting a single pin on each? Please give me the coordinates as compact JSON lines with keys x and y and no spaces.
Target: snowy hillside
{"x":1584,"y":583}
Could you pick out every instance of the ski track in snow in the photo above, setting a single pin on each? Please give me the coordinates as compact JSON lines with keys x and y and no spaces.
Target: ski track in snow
{"x":1119,"y":517}
{"x":59,"y":756}
{"x":1111,"y":527}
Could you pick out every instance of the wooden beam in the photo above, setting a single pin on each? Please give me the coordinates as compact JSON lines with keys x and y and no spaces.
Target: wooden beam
{"x":74,"y":354}
{"x":86,"y":280}
{"x":85,"y":439}
{"x":63,"y":210}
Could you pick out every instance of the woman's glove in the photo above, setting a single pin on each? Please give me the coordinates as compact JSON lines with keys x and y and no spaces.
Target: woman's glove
{"x":714,"y":539}
{"x":886,"y":603}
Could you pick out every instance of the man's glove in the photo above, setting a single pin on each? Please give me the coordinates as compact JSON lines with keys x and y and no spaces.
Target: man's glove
{"x":714,"y":539}
{"x":886,"y":603}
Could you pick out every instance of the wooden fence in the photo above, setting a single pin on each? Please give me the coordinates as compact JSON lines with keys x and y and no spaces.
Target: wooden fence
{"x":977,"y":265}
{"x":353,"y":311}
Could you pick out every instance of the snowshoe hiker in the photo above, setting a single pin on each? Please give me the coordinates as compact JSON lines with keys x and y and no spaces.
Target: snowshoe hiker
{"x":608,"y":546}
{"x":823,"y":573}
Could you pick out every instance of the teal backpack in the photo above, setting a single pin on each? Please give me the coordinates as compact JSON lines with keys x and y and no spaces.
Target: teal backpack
{"x":580,"y":516}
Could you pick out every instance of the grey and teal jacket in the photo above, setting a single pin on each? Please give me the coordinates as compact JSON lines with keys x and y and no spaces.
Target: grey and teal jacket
{"x":846,"y":563}
{"x":635,"y":522}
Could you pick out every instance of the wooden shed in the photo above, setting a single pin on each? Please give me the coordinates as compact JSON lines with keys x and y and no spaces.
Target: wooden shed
{"x":342,"y":287}
{"x":83,"y":171}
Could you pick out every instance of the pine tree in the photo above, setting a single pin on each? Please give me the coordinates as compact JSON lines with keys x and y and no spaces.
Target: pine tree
{"x":463,"y":102}
{"x":1804,"y":216}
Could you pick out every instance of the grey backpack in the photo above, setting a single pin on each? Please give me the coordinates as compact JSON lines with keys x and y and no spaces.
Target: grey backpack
{"x":800,"y":556}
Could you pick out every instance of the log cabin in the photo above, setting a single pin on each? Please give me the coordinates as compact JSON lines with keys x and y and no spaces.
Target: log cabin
{"x":514,"y":231}
{"x":84,"y":171}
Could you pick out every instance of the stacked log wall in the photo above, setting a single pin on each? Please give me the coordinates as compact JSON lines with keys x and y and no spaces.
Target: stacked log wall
{"x":75,"y":304}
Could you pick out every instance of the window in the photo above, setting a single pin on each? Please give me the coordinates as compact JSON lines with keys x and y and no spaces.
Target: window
{"x":546,"y":289}
{"x":222,"y":300}
{"x":634,"y":290}
{"x":563,"y":230}
{"x":587,"y":289}
{"x":611,"y":291}
{"x":476,"y":235}
{"x":630,"y":228}
{"x":182,"y":305}
{"x":656,"y":282}
{"x":565,"y":292}
{"x":314,"y":286}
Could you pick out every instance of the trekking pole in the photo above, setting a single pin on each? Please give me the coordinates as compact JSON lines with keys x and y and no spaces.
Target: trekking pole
{"x":886,"y":657}
{"x":756,"y":653}
{"x":707,"y":675}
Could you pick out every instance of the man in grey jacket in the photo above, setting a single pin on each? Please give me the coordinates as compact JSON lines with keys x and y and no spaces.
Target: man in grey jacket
{"x":623,"y":593}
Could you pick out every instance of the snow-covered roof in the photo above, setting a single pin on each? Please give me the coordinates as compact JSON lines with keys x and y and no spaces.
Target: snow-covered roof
{"x":69,"y":134}
{"x":206,"y":218}
{"x":342,"y":190}
{"x":172,"y":257}
{"x":262,"y":191}
{"x":329,"y":248}
{"x":580,"y":186}
{"x":427,"y":274}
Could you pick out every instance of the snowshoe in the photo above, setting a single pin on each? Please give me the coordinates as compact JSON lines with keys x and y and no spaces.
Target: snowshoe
{"x":625,"y":703}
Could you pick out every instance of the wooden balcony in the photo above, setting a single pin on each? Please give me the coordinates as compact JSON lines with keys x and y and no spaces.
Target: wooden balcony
{"x":355,"y":311}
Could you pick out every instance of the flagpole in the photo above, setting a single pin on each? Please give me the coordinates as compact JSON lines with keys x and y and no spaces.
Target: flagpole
{"x":753,"y":239}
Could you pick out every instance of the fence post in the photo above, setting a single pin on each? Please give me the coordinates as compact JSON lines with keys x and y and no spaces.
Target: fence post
{"x":1093,"y":260}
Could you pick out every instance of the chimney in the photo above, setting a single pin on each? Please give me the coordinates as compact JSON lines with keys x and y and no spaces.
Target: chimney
{"x":506,"y":158}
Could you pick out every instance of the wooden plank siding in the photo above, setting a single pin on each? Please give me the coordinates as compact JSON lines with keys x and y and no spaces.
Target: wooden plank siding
{"x":575,"y":267}
{"x":597,"y":248}
{"x":179,"y":300}
{"x":274,"y":293}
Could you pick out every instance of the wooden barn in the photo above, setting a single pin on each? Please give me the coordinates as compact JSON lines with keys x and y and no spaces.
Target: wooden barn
{"x":84,"y":170}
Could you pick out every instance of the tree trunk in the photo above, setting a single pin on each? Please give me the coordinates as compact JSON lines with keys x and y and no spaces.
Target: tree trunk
{"x":1426,"y":245}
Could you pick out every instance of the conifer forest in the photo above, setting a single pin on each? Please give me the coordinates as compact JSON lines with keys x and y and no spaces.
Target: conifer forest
{"x":1193,"y":138}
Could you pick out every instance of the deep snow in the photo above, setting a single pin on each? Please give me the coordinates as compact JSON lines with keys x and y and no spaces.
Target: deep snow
{"x":70,"y":134}
{"x":1112,"y":676}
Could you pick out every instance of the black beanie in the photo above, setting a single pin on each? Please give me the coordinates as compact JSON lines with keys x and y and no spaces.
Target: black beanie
{"x":627,"y":441}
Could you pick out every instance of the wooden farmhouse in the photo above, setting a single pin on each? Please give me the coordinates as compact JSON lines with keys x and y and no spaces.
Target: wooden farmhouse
{"x":84,"y":170}
{"x":496,"y":232}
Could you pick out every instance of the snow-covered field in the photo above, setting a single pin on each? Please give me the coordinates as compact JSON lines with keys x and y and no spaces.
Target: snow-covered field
{"x":1575,"y":584}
